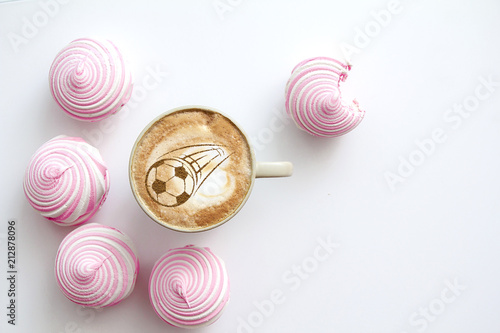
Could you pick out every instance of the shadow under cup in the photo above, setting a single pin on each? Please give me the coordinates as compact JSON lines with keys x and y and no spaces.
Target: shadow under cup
{"x":192,"y":169}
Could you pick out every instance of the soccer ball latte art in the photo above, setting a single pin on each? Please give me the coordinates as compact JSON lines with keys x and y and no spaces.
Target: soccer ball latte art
{"x":170,"y":182}
{"x":173,"y":179}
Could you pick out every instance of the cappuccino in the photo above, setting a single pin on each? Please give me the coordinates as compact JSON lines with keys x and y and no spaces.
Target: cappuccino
{"x":191,"y":169}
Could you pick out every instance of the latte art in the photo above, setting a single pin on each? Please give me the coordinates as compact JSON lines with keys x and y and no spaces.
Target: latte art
{"x":191,"y":169}
{"x":178,"y":175}
{"x":219,"y":185}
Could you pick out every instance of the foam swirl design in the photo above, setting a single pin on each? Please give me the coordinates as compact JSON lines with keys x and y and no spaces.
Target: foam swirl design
{"x":90,"y":80}
{"x":314,"y":100}
{"x":189,"y":287}
{"x":66,"y":180}
{"x":96,"y":266}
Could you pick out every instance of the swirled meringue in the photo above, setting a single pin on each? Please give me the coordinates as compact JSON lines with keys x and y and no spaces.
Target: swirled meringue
{"x":96,"y":266}
{"x":66,"y":180}
{"x":189,"y":287}
{"x":314,"y":100}
{"x":90,"y":80}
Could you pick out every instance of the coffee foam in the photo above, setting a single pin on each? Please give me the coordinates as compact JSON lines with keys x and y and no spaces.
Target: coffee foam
{"x":217,"y":190}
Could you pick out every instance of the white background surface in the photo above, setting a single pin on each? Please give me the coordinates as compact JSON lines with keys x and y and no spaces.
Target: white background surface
{"x":397,"y":247}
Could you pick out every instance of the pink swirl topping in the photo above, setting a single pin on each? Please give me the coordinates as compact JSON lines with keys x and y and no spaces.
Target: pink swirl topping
{"x":90,"y":80}
{"x":313,"y":98}
{"x":189,"y":287}
{"x":66,"y":180}
{"x":96,"y":266}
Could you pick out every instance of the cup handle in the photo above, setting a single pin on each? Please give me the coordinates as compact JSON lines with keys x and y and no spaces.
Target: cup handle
{"x":273,"y":169}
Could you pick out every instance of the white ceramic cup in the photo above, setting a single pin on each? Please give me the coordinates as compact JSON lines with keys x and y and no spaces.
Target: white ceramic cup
{"x":258,"y":170}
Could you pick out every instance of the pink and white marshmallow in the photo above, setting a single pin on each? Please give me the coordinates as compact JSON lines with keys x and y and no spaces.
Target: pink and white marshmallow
{"x":90,"y":80}
{"x":96,"y":266}
{"x":314,"y":101}
{"x":189,"y":287}
{"x":66,"y":180}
